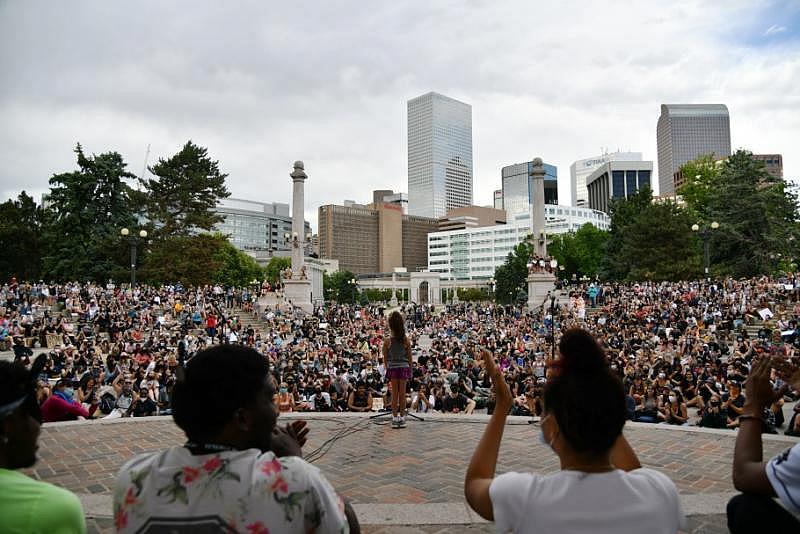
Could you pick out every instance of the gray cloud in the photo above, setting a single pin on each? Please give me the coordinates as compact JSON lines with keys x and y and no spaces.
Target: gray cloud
{"x":262,"y":84}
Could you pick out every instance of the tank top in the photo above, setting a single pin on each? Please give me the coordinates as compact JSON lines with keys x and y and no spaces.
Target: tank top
{"x":397,"y":357}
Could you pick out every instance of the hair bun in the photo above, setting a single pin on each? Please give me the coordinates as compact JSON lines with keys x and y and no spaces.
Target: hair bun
{"x":580,"y":353}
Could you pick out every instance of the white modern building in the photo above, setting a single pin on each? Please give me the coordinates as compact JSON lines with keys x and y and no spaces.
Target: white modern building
{"x":580,"y":170}
{"x":439,"y":155}
{"x":477,"y":252}
{"x":617,"y":179}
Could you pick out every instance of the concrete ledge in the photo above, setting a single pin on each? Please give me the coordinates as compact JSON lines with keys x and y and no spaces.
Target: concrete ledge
{"x":445,"y":513}
{"x":433,"y":417}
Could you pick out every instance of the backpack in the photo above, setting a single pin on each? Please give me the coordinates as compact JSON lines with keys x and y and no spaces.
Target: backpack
{"x":107,"y":402}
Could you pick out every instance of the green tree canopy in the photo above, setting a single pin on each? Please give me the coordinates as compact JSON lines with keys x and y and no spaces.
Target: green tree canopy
{"x":181,"y":198}
{"x":236,"y":268}
{"x":757,"y":217}
{"x":275,"y":266}
{"x":337,"y":286}
{"x":86,"y":210}
{"x":510,"y":278}
{"x":20,"y":238}
{"x":649,"y":241}
{"x":580,"y":252}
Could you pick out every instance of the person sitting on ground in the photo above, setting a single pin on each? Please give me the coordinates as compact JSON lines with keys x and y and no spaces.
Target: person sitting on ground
{"x":457,"y":402}
{"x":237,"y":471}
{"x":601,"y":487}
{"x":28,"y":505}
{"x":360,"y":400}
{"x":754,"y":510}
{"x":62,"y":406}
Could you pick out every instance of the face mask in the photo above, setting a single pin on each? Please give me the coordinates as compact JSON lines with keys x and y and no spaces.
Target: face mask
{"x":672,"y":398}
{"x":69,"y":392}
{"x":284,"y":390}
{"x":542,"y":438}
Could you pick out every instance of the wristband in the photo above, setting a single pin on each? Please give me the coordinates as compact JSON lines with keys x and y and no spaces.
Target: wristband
{"x":750,"y":416}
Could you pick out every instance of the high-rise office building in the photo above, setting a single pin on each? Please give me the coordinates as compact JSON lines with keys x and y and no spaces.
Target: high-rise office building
{"x":256,"y":227}
{"x":374,"y":238}
{"x":617,"y":179}
{"x":439,"y":155}
{"x":687,"y":131}
{"x":518,"y":187}
{"x":773,"y":164}
{"x":580,"y":170}
{"x":498,"y":199}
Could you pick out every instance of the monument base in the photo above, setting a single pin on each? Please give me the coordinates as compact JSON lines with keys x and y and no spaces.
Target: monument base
{"x":539,"y":286}
{"x":393,"y":302}
{"x":298,"y":292}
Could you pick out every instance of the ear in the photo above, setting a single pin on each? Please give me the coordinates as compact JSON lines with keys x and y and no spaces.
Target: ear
{"x":243,"y":418}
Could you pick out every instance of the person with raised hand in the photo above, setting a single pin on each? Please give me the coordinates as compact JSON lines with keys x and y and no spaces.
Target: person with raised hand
{"x":755,"y":510}
{"x":601,"y":486}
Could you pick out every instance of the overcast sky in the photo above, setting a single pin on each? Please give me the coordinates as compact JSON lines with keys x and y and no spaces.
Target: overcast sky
{"x":261,"y":84}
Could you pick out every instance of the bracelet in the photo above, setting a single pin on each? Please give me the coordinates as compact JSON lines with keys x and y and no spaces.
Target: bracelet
{"x":750,"y":416}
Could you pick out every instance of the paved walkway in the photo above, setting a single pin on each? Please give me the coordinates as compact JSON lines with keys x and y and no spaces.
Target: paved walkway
{"x":406,"y":480}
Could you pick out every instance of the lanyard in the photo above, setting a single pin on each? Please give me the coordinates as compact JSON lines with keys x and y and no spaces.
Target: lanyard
{"x":207,"y":448}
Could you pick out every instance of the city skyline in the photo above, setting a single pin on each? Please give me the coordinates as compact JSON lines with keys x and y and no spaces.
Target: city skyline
{"x":285,"y":83}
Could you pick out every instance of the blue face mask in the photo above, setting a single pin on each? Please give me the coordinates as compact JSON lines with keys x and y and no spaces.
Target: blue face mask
{"x":69,"y":392}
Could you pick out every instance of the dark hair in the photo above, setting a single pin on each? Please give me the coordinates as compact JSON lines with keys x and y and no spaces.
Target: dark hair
{"x":397,"y":326}
{"x":216,"y":382}
{"x":14,"y":382}
{"x":586,"y":398}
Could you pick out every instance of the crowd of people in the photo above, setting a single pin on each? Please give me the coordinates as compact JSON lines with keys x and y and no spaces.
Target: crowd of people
{"x":682,"y":350}
{"x":669,"y":347}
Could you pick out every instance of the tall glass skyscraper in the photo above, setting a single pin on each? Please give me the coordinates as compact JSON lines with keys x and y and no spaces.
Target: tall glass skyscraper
{"x":439,"y":155}
{"x":687,"y":131}
{"x":518,"y":187}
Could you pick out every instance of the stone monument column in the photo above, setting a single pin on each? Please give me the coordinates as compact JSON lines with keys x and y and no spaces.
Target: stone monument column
{"x":298,"y":215}
{"x":540,"y":281}
{"x":296,"y":285}
{"x":537,"y":208}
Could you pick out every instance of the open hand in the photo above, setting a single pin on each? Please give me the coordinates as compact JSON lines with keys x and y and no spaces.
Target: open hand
{"x":758,"y":388}
{"x":789,"y":371}
{"x":299,"y":431}
{"x":501,"y":389}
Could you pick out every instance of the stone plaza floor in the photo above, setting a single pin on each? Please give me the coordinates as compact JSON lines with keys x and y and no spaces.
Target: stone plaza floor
{"x":401,"y":480}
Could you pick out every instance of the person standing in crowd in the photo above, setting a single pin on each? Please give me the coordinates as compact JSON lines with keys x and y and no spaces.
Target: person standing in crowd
{"x":601,"y":487}
{"x":26,"y":505}
{"x":237,"y":471}
{"x":397,"y":361}
{"x":755,"y":509}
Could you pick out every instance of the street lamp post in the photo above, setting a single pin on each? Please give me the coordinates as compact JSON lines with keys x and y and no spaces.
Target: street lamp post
{"x":134,"y":243}
{"x":353,"y":282}
{"x":706,"y":235}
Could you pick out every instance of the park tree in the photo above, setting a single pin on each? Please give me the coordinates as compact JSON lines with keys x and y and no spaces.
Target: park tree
{"x":757,"y":218}
{"x":181,"y":198}
{"x":580,"y":253}
{"x":235,"y":267}
{"x":338,"y":286}
{"x":700,"y":184}
{"x":510,"y":278}
{"x":190,"y":260}
{"x":275,"y":266}
{"x":86,"y":209}
{"x":649,"y":241}
{"x":20,"y":238}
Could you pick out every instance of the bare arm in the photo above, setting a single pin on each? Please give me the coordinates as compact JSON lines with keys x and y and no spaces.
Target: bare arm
{"x":749,"y":472}
{"x":481,"y":470}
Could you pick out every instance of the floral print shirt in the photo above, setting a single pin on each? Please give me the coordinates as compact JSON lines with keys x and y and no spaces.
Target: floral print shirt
{"x":228,"y":491}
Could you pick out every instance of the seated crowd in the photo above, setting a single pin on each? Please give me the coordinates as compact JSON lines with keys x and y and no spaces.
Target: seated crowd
{"x":646,"y":352}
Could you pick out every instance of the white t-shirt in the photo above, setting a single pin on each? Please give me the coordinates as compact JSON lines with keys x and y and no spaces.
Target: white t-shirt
{"x":616,"y":502}
{"x":783,"y":472}
{"x":239,"y":491}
